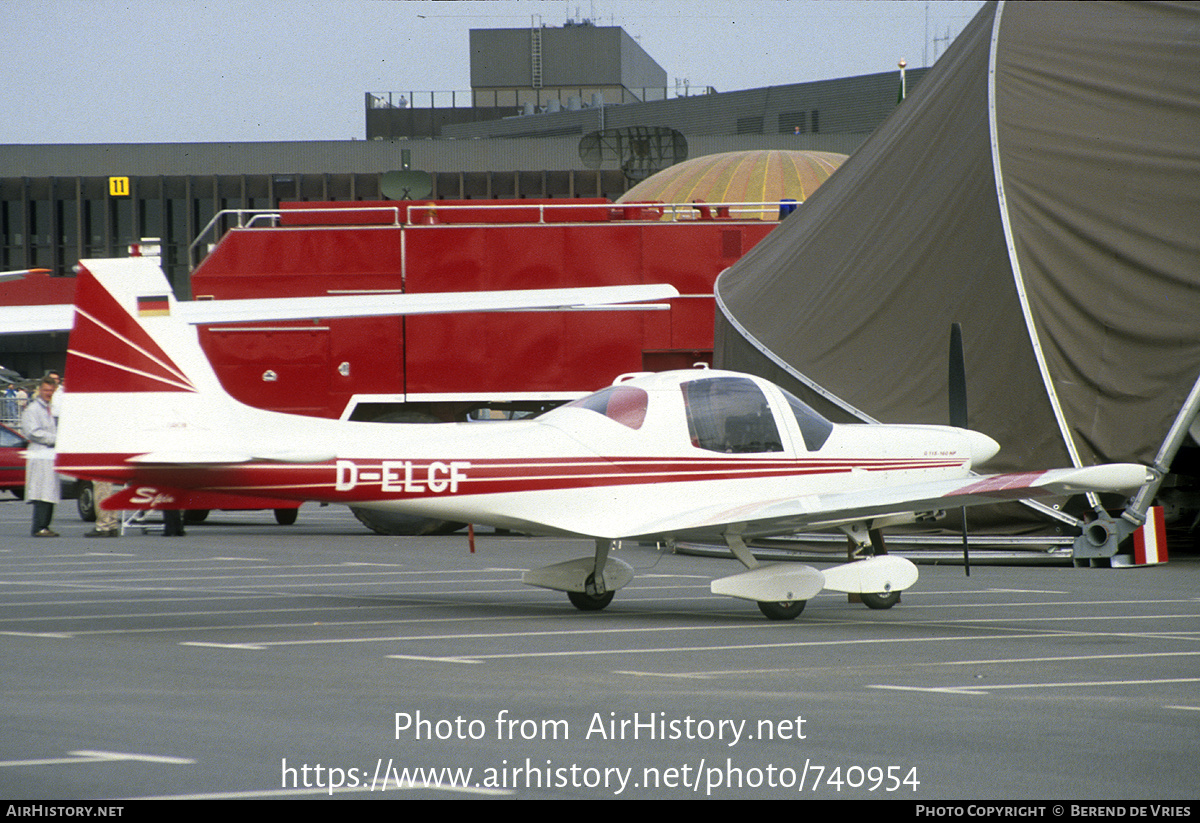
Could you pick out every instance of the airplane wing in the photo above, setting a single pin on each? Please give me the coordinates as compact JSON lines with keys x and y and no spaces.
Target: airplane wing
{"x":35,"y":319}
{"x":180,"y":459}
{"x":20,"y":273}
{"x":59,"y":317}
{"x":367,"y":305}
{"x":813,"y":512}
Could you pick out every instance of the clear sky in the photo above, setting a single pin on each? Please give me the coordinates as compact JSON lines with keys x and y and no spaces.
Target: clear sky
{"x":132,"y":71}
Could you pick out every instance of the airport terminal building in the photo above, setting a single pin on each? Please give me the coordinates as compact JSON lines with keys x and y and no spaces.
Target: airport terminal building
{"x":538,"y":96}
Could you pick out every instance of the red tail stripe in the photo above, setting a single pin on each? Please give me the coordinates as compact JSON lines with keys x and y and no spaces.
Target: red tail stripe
{"x":111,"y":352}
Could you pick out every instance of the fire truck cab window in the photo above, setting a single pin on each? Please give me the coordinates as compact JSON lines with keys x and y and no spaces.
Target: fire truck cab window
{"x":731,"y":415}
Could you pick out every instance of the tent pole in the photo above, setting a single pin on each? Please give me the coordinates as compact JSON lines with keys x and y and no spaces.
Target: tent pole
{"x":1103,"y":536}
{"x":1135,"y":512}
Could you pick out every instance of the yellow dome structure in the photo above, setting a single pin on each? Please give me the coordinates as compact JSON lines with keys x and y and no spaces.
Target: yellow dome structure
{"x":758,"y":176}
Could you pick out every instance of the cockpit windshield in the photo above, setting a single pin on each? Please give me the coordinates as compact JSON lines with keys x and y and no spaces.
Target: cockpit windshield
{"x":814,"y":428}
{"x":730,"y":414}
{"x":624,"y":404}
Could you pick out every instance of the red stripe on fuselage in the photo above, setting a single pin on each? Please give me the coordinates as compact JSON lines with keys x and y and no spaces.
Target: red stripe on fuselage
{"x":401,"y":479}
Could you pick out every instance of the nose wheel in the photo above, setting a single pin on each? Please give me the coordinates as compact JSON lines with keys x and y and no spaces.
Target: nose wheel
{"x":590,"y":602}
{"x":594,"y":597}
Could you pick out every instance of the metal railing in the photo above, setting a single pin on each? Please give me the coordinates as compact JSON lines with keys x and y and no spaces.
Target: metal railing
{"x":246,"y":218}
{"x":432,"y":214}
{"x":516,"y":98}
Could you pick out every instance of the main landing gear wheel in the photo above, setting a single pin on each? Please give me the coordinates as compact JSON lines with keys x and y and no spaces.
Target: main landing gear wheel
{"x":880,"y":600}
{"x":590,"y":602}
{"x":402,"y":525}
{"x":782,"y":610}
{"x":286,"y":517}
{"x":394,"y":524}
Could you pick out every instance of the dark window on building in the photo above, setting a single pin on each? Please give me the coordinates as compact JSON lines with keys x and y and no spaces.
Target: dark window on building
{"x":749,"y":125}
{"x":793,"y":122}
{"x":816,"y":121}
{"x":150,"y":212}
{"x":68,"y":232}
{"x":12,"y":227}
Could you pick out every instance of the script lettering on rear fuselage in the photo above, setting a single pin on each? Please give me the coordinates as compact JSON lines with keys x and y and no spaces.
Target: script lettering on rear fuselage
{"x":149,"y":497}
{"x":402,"y":476}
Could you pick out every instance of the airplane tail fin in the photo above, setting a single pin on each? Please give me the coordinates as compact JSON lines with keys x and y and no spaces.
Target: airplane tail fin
{"x":137,"y":380}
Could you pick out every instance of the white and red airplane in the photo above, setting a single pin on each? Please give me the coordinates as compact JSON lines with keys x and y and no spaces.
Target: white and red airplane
{"x":655,"y":457}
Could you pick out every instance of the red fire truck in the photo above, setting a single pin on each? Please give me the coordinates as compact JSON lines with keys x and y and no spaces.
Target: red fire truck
{"x":468,"y":367}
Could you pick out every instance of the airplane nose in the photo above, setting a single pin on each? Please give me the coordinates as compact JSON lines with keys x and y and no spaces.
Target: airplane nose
{"x":982,"y":447}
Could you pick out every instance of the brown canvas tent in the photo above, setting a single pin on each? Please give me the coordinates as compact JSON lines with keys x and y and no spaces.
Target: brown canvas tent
{"x":1041,"y":187}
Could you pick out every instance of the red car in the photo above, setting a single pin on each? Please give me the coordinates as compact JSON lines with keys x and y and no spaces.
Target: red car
{"x":12,"y":461}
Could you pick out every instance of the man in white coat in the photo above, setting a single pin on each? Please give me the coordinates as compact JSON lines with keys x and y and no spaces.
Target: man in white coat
{"x":40,"y":428}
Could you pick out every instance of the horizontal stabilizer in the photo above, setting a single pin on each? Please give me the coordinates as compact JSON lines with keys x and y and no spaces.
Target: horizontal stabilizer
{"x":182,"y":458}
{"x":572,"y":575}
{"x":36,"y":319}
{"x":214,"y":457}
{"x":307,"y":457}
{"x":774,"y":583}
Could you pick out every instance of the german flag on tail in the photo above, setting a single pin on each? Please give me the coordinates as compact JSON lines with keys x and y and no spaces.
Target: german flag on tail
{"x":154,"y":306}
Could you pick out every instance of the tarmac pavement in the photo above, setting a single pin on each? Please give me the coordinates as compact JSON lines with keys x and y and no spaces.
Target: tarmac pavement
{"x":249,"y":659}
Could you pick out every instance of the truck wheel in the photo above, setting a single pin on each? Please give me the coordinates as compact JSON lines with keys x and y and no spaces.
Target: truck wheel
{"x":86,"y":502}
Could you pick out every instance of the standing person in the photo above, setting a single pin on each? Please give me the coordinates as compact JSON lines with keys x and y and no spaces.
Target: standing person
{"x":11,"y":412}
{"x":59,"y":387}
{"x":40,"y":428}
{"x":108,"y":522}
{"x":173,"y":523}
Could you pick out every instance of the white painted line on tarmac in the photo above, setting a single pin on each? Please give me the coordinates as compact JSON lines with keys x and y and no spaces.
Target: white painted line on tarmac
{"x":1028,"y":604}
{"x":89,"y":756}
{"x":434,"y":659}
{"x":254,"y":573}
{"x":715,"y":673}
{"x":1059,"y":659}
{"x":1023,"y":591}
{"x":1062,"y":618}
{"x":283,"y":793}
{"x":53,"y":635}
{"x":606,"y":631}
{"x":262,"y":646}
{"x":206,"y":613}
{"x":735,"y":647}
{"x":984,"y":690}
